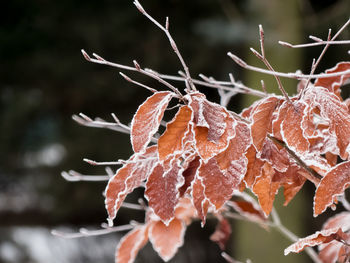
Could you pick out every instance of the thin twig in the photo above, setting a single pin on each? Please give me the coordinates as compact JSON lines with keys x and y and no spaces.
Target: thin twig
{"x":344,"y":202}
{"x":291,"y":75}
{"x":73,"y":176}
{"x":136,"y":82}
{"x":263,"y":58}
{"x":171,"y":40}
{"x":86,"y":233}
{"x":319,"y":43}
{"x":315,"y":177}
{"x":92,"y":162}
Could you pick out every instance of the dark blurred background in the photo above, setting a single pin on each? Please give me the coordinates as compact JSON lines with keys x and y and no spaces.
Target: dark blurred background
{"x":44,"y":80}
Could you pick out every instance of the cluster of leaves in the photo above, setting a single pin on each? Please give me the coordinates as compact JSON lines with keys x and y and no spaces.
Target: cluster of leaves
{"x":208,"y":158}
{"x":207,"y":153}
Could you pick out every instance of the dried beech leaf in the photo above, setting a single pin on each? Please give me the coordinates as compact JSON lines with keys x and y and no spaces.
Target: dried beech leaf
{"x":172,"y":140}
{"x":127,"y":178}
{"x":130,"y":245}
{"x":335,"y":113}
{"x":199,"y":200}
{"x":185,"y":210}
{"x":166,"y":239}
{"x":222,"y":233}
{"x":189,"y":173}
{"x":334,"y":83}
{"x":293,"y":183}
{"x":320,"y":237}
{"x":262,"y":120}
{"x":147,"y":119}
{"x":278,"y":158}
{"x":217,"y":186}
{"x":162,"y":190}
{"x":254,"y":167}
{"x":341,"y":220}
{"x":214,"y":126}
{"x":248,"y":207}
{"x":333,"y":184}
{"x":266,"y":189}
{"x":291,"y":130}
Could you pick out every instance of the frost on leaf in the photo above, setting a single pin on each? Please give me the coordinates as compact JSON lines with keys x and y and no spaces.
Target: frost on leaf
{"x":172,"y":140}
{"x":278,"y":158}
{"x":218,"y":187}
{"x":213,"y":126}
{"x":199,"y":200}
{"x":247,"y":207}
{"x":335,"y":251}
{"x":130,"y":245}
{"x":292,"y":133}
{"x":266,"y":189}
{"x":254,"y":167}
{"x":320,"y":237}
{"x":336,"y":113}
{"x":188,"y":174}
{"x":333,"y":184}
{"x":222,"y":233}
{"x":334,"y":83}
{"x":166,"y":239}
{"x":262,"y":120}
{"x":185,"y":210}
{"x":127,"y":178}
{"x":147,"y":119}
{"x":162,"y":190}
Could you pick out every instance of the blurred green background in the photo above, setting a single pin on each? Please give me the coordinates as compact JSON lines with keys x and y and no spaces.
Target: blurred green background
{"x":44,"y":80}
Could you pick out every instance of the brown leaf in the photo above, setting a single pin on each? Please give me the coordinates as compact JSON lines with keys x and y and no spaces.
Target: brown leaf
{"x":254,"y":167}
{"x":147,"y":119}
{"x":189,"y":173}
{"x":222,"y":233}
{"x":172,"y":140}
{"x":334,"y":83}
{"x":162,"y":190}
{"x":214,"y":126}
{"x":292,"y":133}
{"x":335,"y":113}
{"x":266,"y":189}
{"x":218,"y":187}
{"x":166,"y":239}
{"x":278,"y":158}
{"x":320,"y":237}
{"x":127,"y":178}
{"x":199,"y":200}
{"x":262,"y":117}
{"x":185,"y":211}
{"x":334,"y":183}
{"x":130,"y":245}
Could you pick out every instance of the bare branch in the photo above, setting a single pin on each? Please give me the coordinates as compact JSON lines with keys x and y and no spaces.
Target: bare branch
{"x":318,"y":43}
{"x":102,"y":163}
{"x":171,"y":40}
{"x":73,"y":176}
{"x":83,"y":232}
{"x":137,"y":83}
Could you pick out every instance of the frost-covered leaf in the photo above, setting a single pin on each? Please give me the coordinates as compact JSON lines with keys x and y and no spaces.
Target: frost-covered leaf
{"x":185,"y":210}
{"x":334,"y":83}
{"x":130,"y":244}
{"x":127,"y":178}
{"x":292,"y":133}
{"x":320,"y":237}
{"x":266,"y":189}
{"x":222,"y":233}
{"x":278,"y":158}
{"x":292,"y":181}
{"x":335,"y":113}
{"x":254,"y":166}
{"x":147,"y":119}
{"x":218,"y":187}
{"x":166,"y":239}
{"x":172,"y":140}
{"x":214,"y":126}
{"x":247,"y":206}
{"x":188,"y":174}
{"x":162,"y":190}
{"x":262,"y":117}
{"x":333,"y":184}
{"x":199,"y":200}
{"x":341,"y":220}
